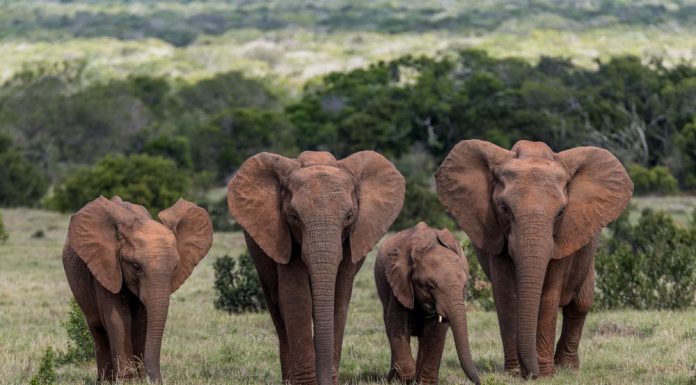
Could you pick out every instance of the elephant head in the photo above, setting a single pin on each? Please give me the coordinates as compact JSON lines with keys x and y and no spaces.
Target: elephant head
{"x":121,"y":245}
{"x":427,"y":268}
{"x":539,"y":204}
{"x":318,"y":203}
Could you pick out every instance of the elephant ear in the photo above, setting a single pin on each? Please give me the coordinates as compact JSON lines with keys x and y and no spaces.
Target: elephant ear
{"x":254,"y":201}
{"x":380,"y":190}
{"x":465,"y":187}
{"x":194,"y":235}
{"x":94,"y":235}
{"x":449,"y":241}
{"x":398,"y":266}
{"x":598,"y":192}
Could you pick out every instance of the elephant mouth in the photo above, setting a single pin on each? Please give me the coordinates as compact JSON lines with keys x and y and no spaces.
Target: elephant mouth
{"x":440,"y":318}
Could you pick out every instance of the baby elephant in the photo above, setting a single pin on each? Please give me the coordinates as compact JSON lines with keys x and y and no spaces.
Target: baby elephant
{"x":421,"y":275}
{"x":122,"y":266}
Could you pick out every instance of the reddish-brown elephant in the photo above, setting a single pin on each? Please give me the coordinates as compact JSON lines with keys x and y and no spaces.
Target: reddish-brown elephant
{"x":534,"y":217}
{"x":421,"y":275}
{"x":309,"y":223}
{"x":122,"y":267}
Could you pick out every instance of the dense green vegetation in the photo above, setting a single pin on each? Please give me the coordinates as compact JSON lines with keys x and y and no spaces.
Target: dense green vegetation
{"x":649,"y":265}
{"x":413,"y":110}
{"x":181,"y":22}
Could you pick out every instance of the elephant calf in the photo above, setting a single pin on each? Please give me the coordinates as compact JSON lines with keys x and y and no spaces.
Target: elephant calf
{"x":421,"y":276}
{"x":122,"y":266}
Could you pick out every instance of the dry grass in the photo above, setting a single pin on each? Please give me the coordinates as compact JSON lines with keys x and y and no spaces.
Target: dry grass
{"x":205,"y":346}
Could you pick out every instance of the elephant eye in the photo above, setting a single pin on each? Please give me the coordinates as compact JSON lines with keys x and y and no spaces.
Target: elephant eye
{"x":349,"y":216}
{"x":506,"y":210}
{"x":430,"y":286}
{"x":136,"y":267}
{"x":294,"y":217}
{"x":560,"y":214}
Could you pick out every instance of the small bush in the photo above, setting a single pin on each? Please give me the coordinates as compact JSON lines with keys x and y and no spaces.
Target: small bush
{"x":237,"y":285}
{"x":80,"y":344}
{"x":3,"y":233}
{"x":656,"y":180}
{"x":21,"y":182}
{"x":47,"y":370}
{"x":153,"y":182}
{"x":650,"y":265}
{"x":176,"y":148}
{"x":480,"y":291}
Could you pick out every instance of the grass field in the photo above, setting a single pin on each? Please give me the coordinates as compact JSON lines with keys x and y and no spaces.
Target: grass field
{"x":206,"y":346}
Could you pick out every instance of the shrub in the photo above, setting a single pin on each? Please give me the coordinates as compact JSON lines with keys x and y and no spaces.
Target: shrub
{"x":153,"y":182}
{"x":21,"y":183}
{"x":176,"y":148}
{"x":649,"y":265}
{"x":47,"y":370}
{"x":3,"y":233}
{"x":420,"y":203}
{"x":480,"y":291}
{"x":237,"y":285}
{"x":654,"y":180}
{"x":80,"y":345}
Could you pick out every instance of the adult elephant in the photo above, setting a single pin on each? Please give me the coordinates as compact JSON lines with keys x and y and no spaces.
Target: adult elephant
{"x":309,"y":223}
{"x":534,"y":217}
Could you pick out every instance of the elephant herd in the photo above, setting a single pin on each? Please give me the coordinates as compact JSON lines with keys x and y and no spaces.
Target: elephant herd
{"x":532,"y":215}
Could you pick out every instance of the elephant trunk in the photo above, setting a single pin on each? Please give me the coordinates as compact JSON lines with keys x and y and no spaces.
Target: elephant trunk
{"x":534,"y":248}
{"x":322,"y":253}
{"x":157,"y":307}
{"x":457,"y":318}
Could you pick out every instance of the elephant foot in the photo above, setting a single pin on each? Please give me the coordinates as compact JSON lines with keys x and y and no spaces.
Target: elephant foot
{"x":566,"y":360}
{"x":512,"y":366}
{"x":546,"y":368}
{"x":405,"y":373}
{"x":426,"y":381}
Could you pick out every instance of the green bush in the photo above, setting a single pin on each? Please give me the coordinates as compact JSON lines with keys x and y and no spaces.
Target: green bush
{"x":46,"y":374}
{"x":654,"y":180}
{"x":480,"y":291}
{"x":80,"y":344}
{"x":649,"y":265}
{"x":237,"y":285}
{"x":153,"y":182}
{"x":21,"y":183}
{"x":421,"y":203}
{"x":176,"y":148}
{"x":3,"y":233}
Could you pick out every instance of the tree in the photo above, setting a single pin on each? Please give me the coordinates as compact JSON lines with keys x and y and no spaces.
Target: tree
{"x":153,"y":182}
{"x":21,"y":183}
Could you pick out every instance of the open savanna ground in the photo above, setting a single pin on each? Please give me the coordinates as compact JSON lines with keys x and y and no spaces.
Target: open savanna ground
{"x":205,"y":346}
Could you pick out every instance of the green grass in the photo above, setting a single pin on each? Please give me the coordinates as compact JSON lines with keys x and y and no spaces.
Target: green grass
{"x":206,"y":346}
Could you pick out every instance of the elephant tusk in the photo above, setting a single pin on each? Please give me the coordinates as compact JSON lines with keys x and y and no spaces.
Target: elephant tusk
{"x":439,"y":318}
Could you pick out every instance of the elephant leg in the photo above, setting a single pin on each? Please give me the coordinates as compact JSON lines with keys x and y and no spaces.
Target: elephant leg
{"x":116,"y":318}
{"x":574,"y":315}
{"x":505,"y":295}
{"x":396,"y":321}
{"x":295,"y":299}
{"x":344,"y":290}
{"x":138,"y":332}
{"x":268,"y":275}
{"x":430,"y":347}
{"x":105,"y":369}
{"x":548,"y":312}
